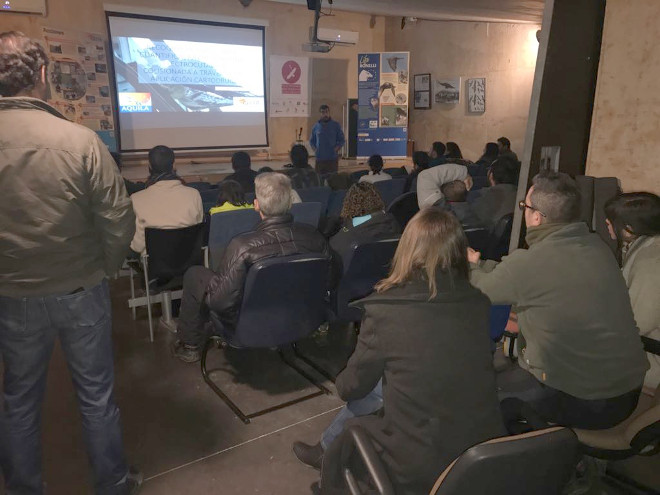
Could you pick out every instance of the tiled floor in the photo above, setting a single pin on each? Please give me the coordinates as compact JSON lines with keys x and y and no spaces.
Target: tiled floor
{"x":184,"y":438}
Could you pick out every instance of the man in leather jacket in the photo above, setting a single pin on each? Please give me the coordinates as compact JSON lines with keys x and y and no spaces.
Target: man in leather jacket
{"x":204,"y":290}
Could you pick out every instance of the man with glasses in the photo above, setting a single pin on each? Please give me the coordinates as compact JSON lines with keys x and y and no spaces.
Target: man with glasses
{"x":581,"y":359}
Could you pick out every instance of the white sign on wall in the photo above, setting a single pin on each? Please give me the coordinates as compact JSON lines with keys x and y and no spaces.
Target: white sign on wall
{"x":289,"y":86}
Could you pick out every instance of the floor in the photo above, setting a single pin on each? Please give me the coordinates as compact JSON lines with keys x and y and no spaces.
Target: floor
{"x":185,"y":439}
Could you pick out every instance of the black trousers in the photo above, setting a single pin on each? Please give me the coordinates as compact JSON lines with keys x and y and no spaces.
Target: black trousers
{"x":521,"y":393}
{"x":194,"y":314}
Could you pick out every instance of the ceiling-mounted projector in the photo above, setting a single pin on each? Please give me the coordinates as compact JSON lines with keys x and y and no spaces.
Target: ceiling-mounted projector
{"x":317,"y":47}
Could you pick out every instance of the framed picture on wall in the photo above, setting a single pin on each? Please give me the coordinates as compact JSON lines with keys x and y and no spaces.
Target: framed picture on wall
{"x":422,"y":100}
{"x":447,"y":91}
{"x":422,"y":82}
{"x":477,"y":95}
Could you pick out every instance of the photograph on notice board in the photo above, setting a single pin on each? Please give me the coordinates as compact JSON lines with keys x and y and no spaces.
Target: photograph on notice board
{"x":447,"y":90}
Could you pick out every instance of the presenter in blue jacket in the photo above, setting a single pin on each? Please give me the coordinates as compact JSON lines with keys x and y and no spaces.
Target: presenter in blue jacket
{"x":326,"y":140}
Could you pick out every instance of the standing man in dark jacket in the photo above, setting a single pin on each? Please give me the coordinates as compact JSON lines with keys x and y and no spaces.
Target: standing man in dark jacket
{"x":326,"y":140}
{"x":222,"y":292}
{"x":66,"y":225}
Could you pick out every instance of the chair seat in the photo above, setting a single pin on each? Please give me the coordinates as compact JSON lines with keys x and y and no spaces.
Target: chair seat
{"x":619,"y":437}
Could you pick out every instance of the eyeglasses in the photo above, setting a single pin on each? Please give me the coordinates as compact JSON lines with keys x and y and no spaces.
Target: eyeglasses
{"x":522,"y":205}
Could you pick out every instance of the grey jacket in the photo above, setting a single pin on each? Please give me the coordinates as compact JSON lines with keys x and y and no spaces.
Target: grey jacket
{"x":578,"y":333}
{"x":67,"y":220}
{"x":495,"y":202}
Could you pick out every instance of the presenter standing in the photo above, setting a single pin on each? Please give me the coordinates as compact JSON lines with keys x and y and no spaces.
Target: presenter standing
{"x":326,"y":140}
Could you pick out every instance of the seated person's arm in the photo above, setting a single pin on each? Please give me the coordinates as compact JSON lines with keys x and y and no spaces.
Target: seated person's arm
{"x":365,"y":367}
{"x":496,"y":280}
{"x":225,"y":290}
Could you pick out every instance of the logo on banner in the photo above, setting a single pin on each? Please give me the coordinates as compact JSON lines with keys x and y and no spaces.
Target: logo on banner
{"x":291,"y":71}
{"x":364,"y":63}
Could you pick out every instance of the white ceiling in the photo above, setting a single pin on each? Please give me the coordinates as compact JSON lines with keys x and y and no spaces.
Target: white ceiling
{"x":529,"y":11}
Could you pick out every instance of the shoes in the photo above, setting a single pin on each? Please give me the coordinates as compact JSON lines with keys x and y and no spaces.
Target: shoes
{"x":186,"y":353}
{"x":133,"y":481}
{"x":311,"y":455}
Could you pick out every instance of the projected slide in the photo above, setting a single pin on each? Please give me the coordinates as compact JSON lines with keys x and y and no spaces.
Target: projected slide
{"x":187,"y":76}
{"x":188,"y":84}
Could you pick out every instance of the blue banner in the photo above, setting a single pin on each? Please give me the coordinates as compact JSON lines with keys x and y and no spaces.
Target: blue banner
{"x":383,"y":104}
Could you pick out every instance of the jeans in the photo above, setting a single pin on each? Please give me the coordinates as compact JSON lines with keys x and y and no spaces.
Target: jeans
{"x":28,"y":329}
{"x":369,"y":404}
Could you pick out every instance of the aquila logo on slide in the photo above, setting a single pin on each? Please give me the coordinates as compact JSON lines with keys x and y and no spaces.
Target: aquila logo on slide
{"x":364,"y":63}
{"x":135,"y":102}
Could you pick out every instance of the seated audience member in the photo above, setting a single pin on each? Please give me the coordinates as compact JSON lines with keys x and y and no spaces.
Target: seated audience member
{"x":376,"y":173}
{"x":276,"y":235}
{"x":455,"y":194}
{"x":581,"y":361}
{"x":363,"y":220}
{"x":430,"y":181}
{"x":230,"y":197}
{"x":423,"y":355}
{"x":243,"y":173}
{"x":264,"y":170}
{"x":504,"y":149}
{"x":421,"y":161}
{"x":438,"y":154}
{"x":300,"y":172}
{"x":454,"y":154}
{"x":131,"y":187}
{"x":633,"y":220}
{"x":481,"y":167}
{"x":166,"y":203}
{"x":500,"y":198}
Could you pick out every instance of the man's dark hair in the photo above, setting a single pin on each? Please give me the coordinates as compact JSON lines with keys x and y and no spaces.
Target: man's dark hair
{"x":264,"y":170}
{"x":636,"y":212}
{"x":240,"y":160}
{"x":439,"y":148}
{"x":375,"y":163}
{"x":557,"y":196}
{"x":161,"y":159}
{"x":455,"y":191}
{"x":324,"y":107}
{"x":421,"y":159}
{"x":504,"y":142}
{"x":299,"y":156}
{"x":490,"y":152}
{"x":505,"y":171}
{"x":454,"y":151}
{"x":231,"y":192}
{"x":21,"y":60}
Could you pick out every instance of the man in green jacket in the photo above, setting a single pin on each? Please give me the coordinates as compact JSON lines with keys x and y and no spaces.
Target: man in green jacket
{"x":66,"y":225}
{"x":581,"y":359}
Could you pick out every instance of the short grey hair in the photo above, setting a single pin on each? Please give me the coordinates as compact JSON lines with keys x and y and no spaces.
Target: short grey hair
{"x":273,"y":191}
{"x":557,"y":196}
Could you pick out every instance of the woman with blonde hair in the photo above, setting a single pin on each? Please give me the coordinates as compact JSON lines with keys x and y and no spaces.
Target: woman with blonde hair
{"x":424,"y":336}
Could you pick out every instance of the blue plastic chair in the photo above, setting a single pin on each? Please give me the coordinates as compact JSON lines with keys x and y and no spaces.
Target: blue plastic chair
{"x":315,"y":195}
{"x":275,"y":314}
{"x":404,"y":208}
{"x":200,"y":186}
{"x":335,"y":203}
{"x":309,"y":213}
{"x":499,"y":316}
{"x":391,"y":189}
{"x":209,"y":198}
{"x":224,"y":227}
{"x":396,"y":171}
{"x":355,"y":176}
{"x":478,"y":239}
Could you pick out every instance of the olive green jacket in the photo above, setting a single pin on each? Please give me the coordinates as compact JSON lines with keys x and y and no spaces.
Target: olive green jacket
{"x":578,"y":333}
{"x":66,"y":218}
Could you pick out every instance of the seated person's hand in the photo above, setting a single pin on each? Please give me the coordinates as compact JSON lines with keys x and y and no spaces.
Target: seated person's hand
{"x":473,"y":256}
{"x":512,"y":324}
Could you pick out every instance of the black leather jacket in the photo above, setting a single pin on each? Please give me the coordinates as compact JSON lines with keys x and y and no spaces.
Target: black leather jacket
{"x":273,"y":237}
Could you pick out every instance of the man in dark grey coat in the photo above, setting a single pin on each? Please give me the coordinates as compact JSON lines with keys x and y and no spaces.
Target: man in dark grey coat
{"x":500,"y":198}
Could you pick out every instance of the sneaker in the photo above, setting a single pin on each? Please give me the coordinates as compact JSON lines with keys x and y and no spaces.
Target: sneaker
{"x":134,"y":481}
{"x":311,"y":455}
{"x":186,"y":353}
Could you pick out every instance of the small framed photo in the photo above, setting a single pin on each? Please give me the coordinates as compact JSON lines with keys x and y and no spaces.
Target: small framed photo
{"x":422,"y":82}
{"x":477,"y":95}
{"x":422,"y":100}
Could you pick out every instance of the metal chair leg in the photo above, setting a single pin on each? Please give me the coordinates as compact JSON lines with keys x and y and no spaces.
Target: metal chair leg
{"x":166,"y":307}
{"x":133,"y":309}
{"x":146,"y":284}
{"x":325,"y":373}
{"x":247,"y":417}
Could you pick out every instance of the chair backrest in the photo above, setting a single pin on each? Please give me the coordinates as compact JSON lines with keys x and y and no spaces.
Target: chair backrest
{"x":200,"y":185}
{"x":478,"y":239}
{"x":172,"y":251}
{"x":336,"y":202}
{"x":209,"y":198}
{"x":309,"y":213}
{"x":499,"y":317}
{"x":284,"y":300}
{"x":500,"y":236}
{"x":365,"y":265}
{"x":391,"y":189}
{"x":404,"y":208}
{"x":250,"y":197}
{"x":540,"y":462}
{"x":224,"y":227}
{"x":355,"y":176}
{"x":315,"y":195}
{"x":396,"y":171}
